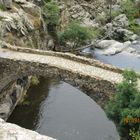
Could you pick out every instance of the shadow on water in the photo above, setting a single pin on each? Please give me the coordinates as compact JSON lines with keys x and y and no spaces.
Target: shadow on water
{"x":61,"y":111}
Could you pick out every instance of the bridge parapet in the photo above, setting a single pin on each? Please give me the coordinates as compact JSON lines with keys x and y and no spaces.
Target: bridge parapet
{"x":68,"y":56}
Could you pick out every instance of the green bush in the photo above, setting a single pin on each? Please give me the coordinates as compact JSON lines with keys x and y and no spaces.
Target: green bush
{"x":135,"y":135}
{"x":130,"y":8}
{"x":126,"y":104}
{"x":134,"y":26}
{"x":51,"y":13}
{"x":76,"y":34}
{"x":34,"y":80}
{"x":2,"y":7}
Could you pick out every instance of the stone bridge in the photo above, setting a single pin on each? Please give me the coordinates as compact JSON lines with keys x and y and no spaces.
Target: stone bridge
{"x":94,"y":78}
{"x":17,"y":64}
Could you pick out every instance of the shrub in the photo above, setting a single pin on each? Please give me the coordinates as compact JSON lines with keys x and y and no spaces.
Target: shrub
{"x":76,"y":34}
{"x":135,"y":134}
{"x":51,"y":13}
{"x":34,"y":80}
{"x":130,"y":8}
{"x":125,"y":106}
{"x":134,"y":26}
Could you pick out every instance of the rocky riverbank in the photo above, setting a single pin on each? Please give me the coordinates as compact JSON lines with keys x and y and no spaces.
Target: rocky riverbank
{"x":11,"y":95}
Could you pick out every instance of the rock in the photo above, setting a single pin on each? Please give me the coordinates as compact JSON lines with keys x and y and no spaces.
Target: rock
{"x":134,"y":37}
{"x":105,"y":44}
{"x":8,"y":3}
{"x":10,"y":131}
{"x":130,"y":50}
{"x":127,"y":43}
{"x":138,"y":20}
{"x":115,"y":48}
{"x":5,"y":108}
{"x":121,"y":21}
{"x":31,"y":9}
{"x":20,"y":1}
{"x":50,"y":44}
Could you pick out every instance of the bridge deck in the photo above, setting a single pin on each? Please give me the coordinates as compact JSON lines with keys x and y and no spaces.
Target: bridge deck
{"x":64,"y":64}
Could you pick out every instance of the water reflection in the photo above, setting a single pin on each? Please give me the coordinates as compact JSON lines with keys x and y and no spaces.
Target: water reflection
{"x":61,"y":111}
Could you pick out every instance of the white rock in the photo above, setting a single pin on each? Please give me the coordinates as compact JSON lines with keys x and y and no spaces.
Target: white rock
{"x":130,"y":50}
{"x":114,"y":49}
{"x":127,"y":43}
{"x":105,"y":44}
{"x":121,"y":21}
{"x":134,"y":37}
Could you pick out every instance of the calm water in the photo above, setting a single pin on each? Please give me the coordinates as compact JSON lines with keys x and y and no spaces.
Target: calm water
{"x":61,"y":111}
{"x":122,"y":60}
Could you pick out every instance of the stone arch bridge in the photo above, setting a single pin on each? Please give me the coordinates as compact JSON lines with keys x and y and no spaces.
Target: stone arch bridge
{"x":94,"y":78}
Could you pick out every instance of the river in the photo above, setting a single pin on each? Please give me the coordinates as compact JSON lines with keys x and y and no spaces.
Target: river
{"x":61,"y":111}
{"x":57,"y":109}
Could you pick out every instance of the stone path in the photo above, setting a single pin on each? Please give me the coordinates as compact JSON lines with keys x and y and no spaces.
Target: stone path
{"x":65,"y":64}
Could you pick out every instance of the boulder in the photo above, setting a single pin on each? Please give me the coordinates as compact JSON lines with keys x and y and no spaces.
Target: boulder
{"x":105,"y":44}
{"x":115,"y":48}
{"x":121,"y":21}
{"x":127,"y":43}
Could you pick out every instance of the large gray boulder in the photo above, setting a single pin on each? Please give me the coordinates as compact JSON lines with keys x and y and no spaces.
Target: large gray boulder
{"x":115,"y":48}
{"x":105,"y":44}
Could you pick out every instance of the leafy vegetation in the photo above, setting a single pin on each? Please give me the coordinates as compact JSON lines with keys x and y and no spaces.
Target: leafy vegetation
{"x":130,"y":8}
{"x":75,"y":34}
{"x":135,"y":135}
{"x":34,"y":80}
{"x":2,"y":7}
{"x":124,"y":108}
{"x":134,"y":26}
{"x":51,"y":15}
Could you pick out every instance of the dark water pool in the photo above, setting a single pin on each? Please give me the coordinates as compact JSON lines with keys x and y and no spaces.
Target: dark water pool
{"x":61,"y":111}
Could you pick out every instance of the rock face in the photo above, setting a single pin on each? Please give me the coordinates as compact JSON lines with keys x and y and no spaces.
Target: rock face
{"x":112,"y":47}
{"x":8,"y":3}
{"x":13,"y":132}
{"x":22,"y":25}
{"x":118,"y":29}
{"x":11,"y":95}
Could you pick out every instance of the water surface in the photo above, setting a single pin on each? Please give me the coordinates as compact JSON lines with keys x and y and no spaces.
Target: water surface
{"x":61,"y":111}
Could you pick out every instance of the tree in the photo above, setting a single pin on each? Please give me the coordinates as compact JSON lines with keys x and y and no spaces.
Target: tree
{"x":76,"y":34}
{"x":51,"y":15}
{"x":124,"y":108}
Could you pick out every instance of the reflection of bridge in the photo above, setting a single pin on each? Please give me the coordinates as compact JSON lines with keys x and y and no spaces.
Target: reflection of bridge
{"x":91,"y":76}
